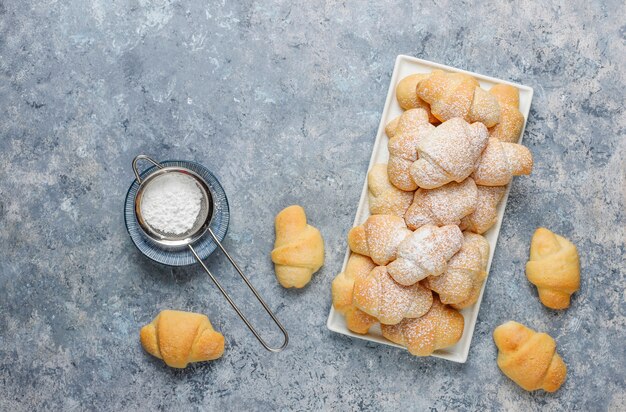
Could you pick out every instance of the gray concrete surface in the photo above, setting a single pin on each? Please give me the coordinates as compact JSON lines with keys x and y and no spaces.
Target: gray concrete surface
{"x":282,"y":101}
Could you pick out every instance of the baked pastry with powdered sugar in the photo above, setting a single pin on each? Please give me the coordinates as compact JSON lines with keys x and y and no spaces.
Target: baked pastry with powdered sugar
{"x":440,"y":327}
{"x":377,"y":294}
{"x":378,"y":238}
{"x":448,"y":153}
{"x":425,"y":253}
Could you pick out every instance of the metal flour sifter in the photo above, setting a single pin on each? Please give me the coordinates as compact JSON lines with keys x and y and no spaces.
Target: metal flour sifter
{"x":193,"y":245}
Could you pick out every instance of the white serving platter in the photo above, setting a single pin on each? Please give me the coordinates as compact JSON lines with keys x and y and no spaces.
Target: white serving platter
{"x":406,"y":65}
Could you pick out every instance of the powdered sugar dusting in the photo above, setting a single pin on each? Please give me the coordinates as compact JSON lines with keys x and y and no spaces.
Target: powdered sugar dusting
{"x":383,"y":234}
{"x":453,"y":95}
{"x":412,"y":126}
{"x":445,"y":205}
{"x":379,"y":296}
{"x":464,"y":268}
{"x":454,"y":148}
{"x":500,"y":161}
{"x":449,"y":94}
{"x":485,"y":214}
{"x":385,"y":198}
{"x":511,"y":121}
{"x":425,"y":253}
{"x":484,"y":109}
{"x":440,"y":327}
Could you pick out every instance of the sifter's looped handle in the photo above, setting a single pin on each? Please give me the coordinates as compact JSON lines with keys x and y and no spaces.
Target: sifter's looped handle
{"x":232,"y":303}
{"x":143,"y":157}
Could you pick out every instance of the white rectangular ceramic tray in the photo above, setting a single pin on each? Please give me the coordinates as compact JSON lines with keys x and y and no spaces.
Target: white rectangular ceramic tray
{"x":406,"y":65}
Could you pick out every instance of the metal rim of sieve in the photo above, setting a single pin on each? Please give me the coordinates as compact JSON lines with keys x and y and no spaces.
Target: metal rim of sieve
{"x":199,"y":229}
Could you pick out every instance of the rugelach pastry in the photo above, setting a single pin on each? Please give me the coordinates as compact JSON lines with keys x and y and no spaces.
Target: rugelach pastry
{"x":424,"y":253}
{"x":445,"y":205}
{"x":441,"y":327}
{"x":406,"y":94}
{"x":485,"y":214}
{"x":511,"y":119}
{"x":500,"y":161}
{"x":385,"y":198}
{"x":453,"y":95}
{"x":460,"y":284}
{"x":529,"y":358}
{"x":482,"y":244}
{"x":381,"y":297}
{"x":392,"y":126}
{"x":554,"y":268}
{"x":412,"y":126}
{"x":298,"y":250}
{"x":358,"y":267}
{"x":181,"y":337}
{"x":449,"y":153}
{"x":378,"y":238}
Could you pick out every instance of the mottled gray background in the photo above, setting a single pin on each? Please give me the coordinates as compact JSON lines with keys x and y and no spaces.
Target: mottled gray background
{"x":282,"y":102}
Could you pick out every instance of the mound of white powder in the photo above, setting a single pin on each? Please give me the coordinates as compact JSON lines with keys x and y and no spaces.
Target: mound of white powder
{"x":171,"y":203}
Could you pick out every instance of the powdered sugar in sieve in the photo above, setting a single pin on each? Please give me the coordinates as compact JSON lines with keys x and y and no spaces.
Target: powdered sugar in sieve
{"x":172,"y":203}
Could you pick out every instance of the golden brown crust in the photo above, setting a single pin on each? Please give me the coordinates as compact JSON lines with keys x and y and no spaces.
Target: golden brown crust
{"x":453,"y":95}
{"x":298,"y":250}
{"x":358,"y":267}
{"x":412,"y":126}
{"x":445,"y":205}
{"x":380,"y":296}
{"x":406,"y":94}
{"x":500,"y":161}
{"x":181,"y":337}
{"x":448,"y":153}
{"x":511,"y":119}
{"x":554,"y":268}
{"x":378,"y":237}
{"x":385,"y":198}
{"x":424,"y":253}
{"x":529,"y":358}
{"x":392,"y":126}
{"x":440,"y":327}
{"x":460,"y":284}
{"x":485,"y":214}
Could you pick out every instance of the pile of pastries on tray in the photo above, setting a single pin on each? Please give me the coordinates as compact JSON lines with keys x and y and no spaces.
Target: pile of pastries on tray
{"x":421,"y":257}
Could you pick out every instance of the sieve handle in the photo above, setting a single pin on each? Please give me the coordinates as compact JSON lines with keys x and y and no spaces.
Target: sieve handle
{"x":143,"y":157}
{"x":252,"y":288}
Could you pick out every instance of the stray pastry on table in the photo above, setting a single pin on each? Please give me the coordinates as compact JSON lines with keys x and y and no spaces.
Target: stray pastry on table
{"x":449,"y":153}
{"x":181,"y":337}
{"x":554,"y":268}
{"x":298,"y":250}
{"x":440,"y":327}
{"x":425,"y":252}
{"x":378,"y":237}
{"x":380,"y":296}
{"x":385,"y":198}
{"x":445,"y":205}
{"x":529,"y":358}
{"x":358,"y":267}
{"x":511,"y":119}
{"x":453,"y":95}
{"x":411,"y":127}
{"x":460,"y":284}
